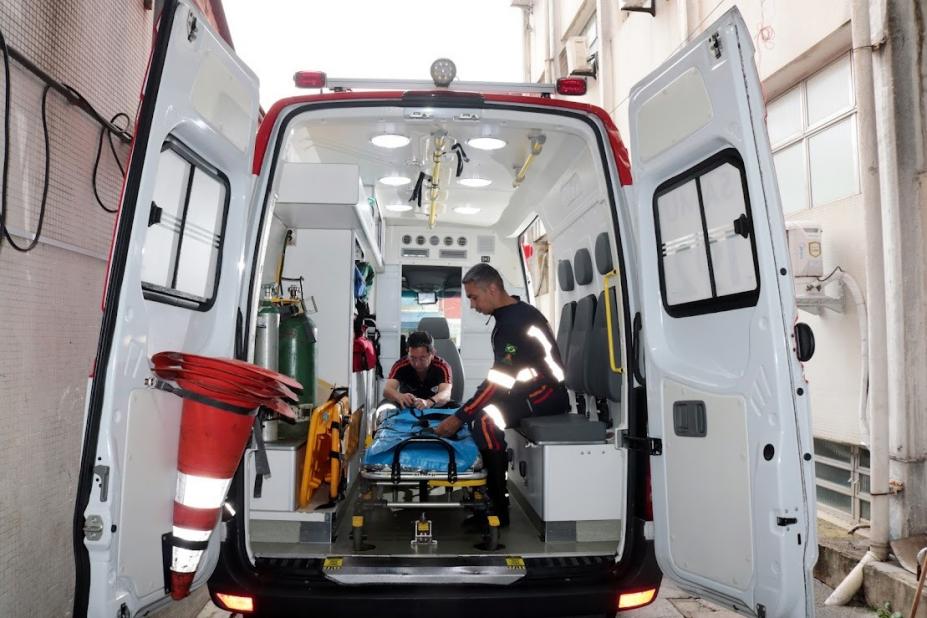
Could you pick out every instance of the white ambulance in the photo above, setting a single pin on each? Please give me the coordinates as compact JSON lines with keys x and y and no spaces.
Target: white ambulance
{"x":667,"y":282}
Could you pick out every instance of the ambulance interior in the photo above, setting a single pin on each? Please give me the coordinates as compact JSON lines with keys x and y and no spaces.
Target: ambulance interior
{"x":392,"y":204}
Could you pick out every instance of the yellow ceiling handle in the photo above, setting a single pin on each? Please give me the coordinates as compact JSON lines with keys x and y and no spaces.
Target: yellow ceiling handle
{"x":608,"y":324}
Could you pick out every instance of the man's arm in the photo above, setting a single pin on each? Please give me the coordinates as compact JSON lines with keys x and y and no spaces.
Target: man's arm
{"x":442,"y":396}
{"x":391,"y":392}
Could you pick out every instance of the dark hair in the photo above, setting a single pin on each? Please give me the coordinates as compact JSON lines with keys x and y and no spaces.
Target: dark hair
{"x":483,"y":274}
{"x":421,"y":339}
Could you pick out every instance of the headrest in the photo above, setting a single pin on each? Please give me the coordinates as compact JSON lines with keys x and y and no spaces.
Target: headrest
{"x":565,"y":275}
{"x":436,"y":327}
{"x":582,"y":264}
{"x":603,"y":254}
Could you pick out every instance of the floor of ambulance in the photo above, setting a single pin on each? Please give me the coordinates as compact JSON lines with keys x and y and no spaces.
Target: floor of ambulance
{"x":391,"y":532}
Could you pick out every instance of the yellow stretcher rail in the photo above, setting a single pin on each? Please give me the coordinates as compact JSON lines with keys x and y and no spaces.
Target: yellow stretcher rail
{"x":608,"y":323}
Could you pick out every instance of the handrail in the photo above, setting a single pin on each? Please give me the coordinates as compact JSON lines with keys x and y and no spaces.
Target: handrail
{"x":608,"y":323}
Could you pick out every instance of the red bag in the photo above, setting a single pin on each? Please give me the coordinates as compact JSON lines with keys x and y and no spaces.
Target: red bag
{"x":364,"y":355}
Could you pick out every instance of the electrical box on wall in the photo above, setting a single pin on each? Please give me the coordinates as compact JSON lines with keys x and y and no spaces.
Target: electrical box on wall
{"x":577,"y":56}
{"x":805,"y":250}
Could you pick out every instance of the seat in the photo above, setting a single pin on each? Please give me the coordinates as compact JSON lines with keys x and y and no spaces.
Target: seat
{"x":568,"y":311}
{"x":604,"y":383}
{"x":576,"y":357}
{"x":446,"y":349}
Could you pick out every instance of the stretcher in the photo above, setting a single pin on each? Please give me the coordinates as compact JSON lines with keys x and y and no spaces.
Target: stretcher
{"x":408,"y":466}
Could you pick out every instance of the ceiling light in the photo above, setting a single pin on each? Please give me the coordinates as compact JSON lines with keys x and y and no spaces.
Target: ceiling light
{"x":475,"y":182}
{"x":466,"y":210}
{"x":398,"y":207}
{"x":395,"y":181}
{"x":389,"y":140}
{"x":486,"y":143}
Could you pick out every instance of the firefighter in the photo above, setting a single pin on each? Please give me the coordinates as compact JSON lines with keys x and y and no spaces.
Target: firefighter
{"x":422,"y":379}
{"x":526,"y":378}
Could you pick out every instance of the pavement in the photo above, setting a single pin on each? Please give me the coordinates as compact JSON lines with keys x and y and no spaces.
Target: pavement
{"x":675,"y":603}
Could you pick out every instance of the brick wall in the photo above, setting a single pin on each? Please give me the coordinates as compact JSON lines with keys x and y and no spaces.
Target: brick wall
{"x":50,"y":298}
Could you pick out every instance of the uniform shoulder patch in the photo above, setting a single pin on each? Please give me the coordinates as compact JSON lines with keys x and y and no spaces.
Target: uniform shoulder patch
{"x":510,"y":348}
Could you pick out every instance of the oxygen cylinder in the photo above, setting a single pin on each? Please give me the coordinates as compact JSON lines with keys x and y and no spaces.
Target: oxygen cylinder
{"x":266,"y":345}
{"x":297,"y":354}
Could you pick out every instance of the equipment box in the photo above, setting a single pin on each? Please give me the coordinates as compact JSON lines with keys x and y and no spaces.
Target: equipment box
{"x":572,"y":490}
{"x":279,"y":489}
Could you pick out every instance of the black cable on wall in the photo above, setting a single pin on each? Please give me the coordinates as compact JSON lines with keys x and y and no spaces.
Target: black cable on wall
{"x":72,"y":96}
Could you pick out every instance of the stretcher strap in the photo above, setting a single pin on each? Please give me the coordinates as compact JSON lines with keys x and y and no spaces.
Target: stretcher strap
{"x":261,"y":464}
{"x":396,"y":469}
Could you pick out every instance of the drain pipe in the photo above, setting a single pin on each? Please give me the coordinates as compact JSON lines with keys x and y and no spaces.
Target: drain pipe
{"x":875,"y":288}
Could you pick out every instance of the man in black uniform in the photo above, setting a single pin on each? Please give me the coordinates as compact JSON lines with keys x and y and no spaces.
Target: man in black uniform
{"x":526,"y":378}
{"x":421,"y":379}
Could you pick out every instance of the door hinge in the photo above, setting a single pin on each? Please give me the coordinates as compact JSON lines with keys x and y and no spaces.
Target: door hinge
{"x":714,"y":45}
{"x":103,"y":473}
{"x":191,"y":26}
{"x":786,"y":521}
{"x":652,"y":446}
{"x":123,"y":611}
{"x":760,"y":610}
{"x":93,"y":528}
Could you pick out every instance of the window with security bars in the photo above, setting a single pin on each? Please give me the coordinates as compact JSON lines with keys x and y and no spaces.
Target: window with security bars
{"x":704,"y":233}
{"x":812,"y":132}
{"x":842,"y":478}
{"x":183,"y":246}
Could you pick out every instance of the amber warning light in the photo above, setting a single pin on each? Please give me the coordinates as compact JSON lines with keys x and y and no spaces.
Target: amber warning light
{"x":571,"y":86}
{"x":309,"y":79}
{"x":235,"y":603}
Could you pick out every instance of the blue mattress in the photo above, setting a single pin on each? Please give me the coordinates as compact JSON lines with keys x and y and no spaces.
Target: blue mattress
{"x":420,"y":457}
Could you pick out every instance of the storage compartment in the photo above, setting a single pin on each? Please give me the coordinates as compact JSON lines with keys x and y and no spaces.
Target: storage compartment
{"x":569,"y":490}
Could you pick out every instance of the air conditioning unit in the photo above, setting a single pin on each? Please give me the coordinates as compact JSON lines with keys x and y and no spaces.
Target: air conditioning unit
{"x":805,"y":248}
{"x":577,"y":57}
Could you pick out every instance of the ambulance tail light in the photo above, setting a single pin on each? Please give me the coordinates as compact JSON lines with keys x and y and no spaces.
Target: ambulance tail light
{"x":571,"y":86}
{"x":631,"y":600}
{"x":235,"y":603}
{"x":309,"y":79}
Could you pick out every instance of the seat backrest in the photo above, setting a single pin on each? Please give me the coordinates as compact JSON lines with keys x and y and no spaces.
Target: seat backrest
{"x":576,"y":357}
{"x":604,"y":383}
{"x":446,"y":349}
{"x":568,"y":311}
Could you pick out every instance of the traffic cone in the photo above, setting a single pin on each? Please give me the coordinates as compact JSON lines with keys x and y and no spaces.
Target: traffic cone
{"x":217,"y":417}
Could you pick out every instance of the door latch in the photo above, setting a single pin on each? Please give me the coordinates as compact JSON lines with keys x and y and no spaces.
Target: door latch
{"x":103,"y":473}
{"x":93,"y":528}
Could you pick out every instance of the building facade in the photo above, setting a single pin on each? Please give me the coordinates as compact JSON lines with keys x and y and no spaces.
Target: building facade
{"x":845,"y":116}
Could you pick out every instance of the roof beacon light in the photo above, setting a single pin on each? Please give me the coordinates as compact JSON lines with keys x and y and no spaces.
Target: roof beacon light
{"x":443,"y":72}
{"x":309,"y":79}
{"x":571,"y":86}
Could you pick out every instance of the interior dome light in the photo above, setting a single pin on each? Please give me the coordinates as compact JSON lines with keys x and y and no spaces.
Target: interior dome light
{"x":466,"y":210}
{"x":475,"y":182}
{"x":399,"y":207}
{"x":486,"y":143}
{"x":395,"y":181}
{"x":389,"y":140}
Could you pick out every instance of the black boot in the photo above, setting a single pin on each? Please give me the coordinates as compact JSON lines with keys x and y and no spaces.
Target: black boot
{"x":496,"y":464}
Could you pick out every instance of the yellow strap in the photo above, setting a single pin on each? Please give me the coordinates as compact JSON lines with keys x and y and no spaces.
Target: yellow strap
{"x":608,"y":324}
{"x":466,"y":483}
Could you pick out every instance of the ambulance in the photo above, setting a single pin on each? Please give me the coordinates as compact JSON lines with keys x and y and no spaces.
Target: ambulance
{"x":661,"y":264}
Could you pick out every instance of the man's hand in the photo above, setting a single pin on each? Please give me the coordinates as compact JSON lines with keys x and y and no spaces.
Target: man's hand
{"x":421,"y":404}
{"x":407,"y":400}
{"x":448,"y":426}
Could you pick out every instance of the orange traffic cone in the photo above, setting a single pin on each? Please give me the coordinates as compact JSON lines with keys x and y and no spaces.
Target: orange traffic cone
{"x":216,"y":421}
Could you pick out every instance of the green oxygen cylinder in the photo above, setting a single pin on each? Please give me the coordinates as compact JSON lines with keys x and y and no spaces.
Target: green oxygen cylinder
{"x":297,"y":348}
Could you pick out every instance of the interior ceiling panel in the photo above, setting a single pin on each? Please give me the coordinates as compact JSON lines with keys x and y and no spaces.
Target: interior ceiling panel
{"x":348,"y":140}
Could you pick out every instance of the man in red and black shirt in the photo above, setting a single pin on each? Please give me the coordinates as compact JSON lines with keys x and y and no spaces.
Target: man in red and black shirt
{"x":526,"y":378}
{"x":421,"y":379}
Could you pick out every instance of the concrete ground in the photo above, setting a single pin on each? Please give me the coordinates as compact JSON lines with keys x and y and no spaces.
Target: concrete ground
{"x":674,"y":603}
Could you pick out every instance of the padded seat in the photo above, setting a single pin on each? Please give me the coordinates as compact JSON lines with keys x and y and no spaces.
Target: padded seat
{"x":446,"y":349}
{"x":568,"y":311}
{"x":576,"y":355}
{"x":602,"y":382}
{"x":562,"y":428}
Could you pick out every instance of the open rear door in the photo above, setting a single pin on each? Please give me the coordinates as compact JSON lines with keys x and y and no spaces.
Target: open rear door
{"x":733,"y":491}
{"x":175,"y":283}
